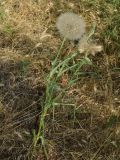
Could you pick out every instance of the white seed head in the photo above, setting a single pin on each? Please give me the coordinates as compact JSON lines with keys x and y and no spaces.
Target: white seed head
{"x":88,"y":47}
{"x":71,"y":26}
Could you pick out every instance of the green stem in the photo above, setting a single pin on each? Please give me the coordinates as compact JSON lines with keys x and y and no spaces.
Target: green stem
{"x":59,"y":51}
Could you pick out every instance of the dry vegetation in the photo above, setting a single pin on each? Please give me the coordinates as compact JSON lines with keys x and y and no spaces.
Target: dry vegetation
{"x":86,"y":123}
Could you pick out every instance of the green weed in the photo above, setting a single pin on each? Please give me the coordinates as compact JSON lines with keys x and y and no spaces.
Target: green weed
{"x":52,"y":87}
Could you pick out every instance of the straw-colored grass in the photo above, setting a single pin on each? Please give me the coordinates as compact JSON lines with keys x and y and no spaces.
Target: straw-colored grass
{"x":59,"y":104}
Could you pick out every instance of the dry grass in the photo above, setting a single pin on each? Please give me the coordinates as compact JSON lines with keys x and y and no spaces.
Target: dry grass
{"x":90,"y":128}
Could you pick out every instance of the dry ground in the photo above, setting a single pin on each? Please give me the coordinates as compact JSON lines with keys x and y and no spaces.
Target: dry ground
{"x":29,"y":40}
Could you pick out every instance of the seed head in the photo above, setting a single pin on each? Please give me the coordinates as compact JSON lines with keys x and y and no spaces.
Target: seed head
{"x":88,"y":47}
{"x":70,"y":26}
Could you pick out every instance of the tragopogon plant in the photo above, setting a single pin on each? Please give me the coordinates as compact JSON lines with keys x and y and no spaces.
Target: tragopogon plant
{"x":72,"y":27}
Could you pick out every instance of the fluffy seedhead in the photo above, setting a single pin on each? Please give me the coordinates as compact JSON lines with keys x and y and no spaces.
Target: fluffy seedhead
{"x":88,"y":47}
{"x":71,"y":26}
